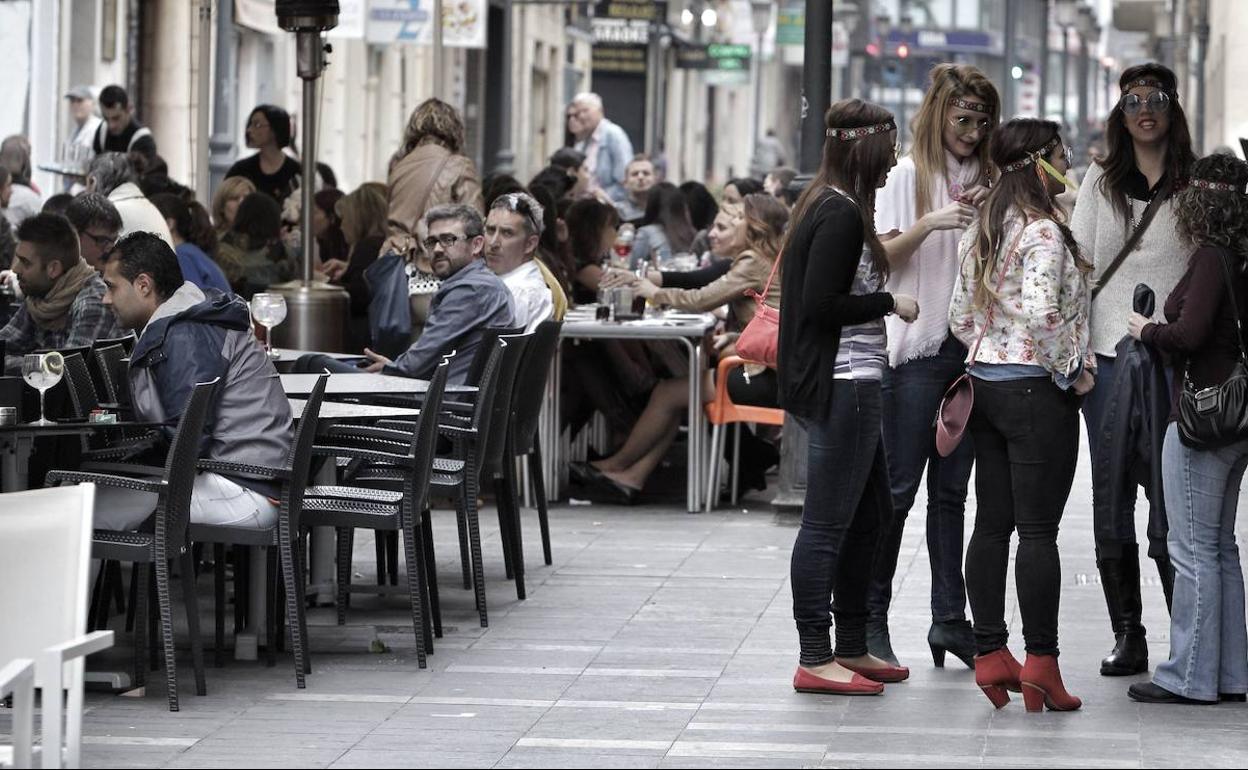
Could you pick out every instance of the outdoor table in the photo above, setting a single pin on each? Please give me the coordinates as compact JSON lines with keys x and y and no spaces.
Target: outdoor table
{"x":363,"y":385}
{"x":687,"y":328}
{"x":333,"y":411}
{"x":16,"y":441}
{"x":284,"y":358}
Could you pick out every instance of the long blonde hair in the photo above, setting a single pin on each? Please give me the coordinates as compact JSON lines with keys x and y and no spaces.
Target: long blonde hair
{"x":435,"y":121}
{"x":363,"y":212}
{"x":233,"y":187}
{"x":948,"y":81}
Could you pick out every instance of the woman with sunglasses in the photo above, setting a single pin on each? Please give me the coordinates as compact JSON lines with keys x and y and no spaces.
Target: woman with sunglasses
{"x":1021,"y":304}
{"x":833,"y":353}
{"x":1150,"y":153}
{"x":930,"y":198}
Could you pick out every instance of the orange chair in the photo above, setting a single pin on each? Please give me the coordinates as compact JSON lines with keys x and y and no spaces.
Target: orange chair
{"x":720,"y":412}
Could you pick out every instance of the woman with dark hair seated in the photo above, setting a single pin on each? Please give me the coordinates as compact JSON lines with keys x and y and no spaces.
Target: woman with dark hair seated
{"x":331,"y":244}
{"x":271,"y":170}
{"x":736,"y":189}
{"x":252,"y":254}
{"x":666,"y":229}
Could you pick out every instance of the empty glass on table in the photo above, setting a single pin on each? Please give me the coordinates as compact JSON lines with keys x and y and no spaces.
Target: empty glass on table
{"x":42,"y":371}
{"x":269,"y":310}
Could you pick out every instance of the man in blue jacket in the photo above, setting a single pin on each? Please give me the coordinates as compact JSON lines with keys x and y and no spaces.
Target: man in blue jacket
{"x":470,"y":299}
{"x":187,"y":336}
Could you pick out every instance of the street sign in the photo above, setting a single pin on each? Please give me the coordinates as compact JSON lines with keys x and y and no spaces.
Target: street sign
{"x":791,"y":23}
{"x":724,"y":63}
{"x":409,"y":21}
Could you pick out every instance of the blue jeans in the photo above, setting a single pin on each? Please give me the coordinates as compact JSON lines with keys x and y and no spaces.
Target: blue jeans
{"x":1208,"y":640}
{"x":912,"y":394}
{"x":846,"y":500}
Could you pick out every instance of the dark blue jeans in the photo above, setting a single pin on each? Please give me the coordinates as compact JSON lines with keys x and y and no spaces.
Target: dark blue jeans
{"x":847,"y":498}
{"x":912,"y":394}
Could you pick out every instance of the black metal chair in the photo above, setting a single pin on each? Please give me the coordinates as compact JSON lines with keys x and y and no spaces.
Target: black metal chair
{"x":167,"y":541}
{"x":85,"y":399}
{"x":523,"y":440}
{"x":113,"y":362}
{"x":282,"y":539}
{"x":347,"y":507}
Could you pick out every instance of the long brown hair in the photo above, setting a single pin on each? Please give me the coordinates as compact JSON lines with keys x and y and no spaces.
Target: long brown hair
{"x":765,"y":218}
{"x":435,"y":121}
{"x":855,"y":166}
{"x":1021,"y":189}
{"x":948,"y":81}
{"x":363,"y":213}
{"x":1119,"y":162}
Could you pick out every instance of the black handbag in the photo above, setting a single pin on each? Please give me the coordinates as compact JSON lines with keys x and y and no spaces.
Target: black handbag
{"x":1218,"y":415}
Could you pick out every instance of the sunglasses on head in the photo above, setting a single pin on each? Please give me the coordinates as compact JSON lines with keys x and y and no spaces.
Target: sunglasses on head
{"x":519,"y":205}
{"x":1157,"y":101}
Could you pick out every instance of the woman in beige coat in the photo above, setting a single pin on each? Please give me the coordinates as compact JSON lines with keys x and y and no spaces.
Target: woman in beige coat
{"x":624,"y":473}
{"x":429,"y":169}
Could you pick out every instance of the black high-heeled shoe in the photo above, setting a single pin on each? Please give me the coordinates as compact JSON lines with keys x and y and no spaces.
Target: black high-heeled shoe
{"x":952,"y":636}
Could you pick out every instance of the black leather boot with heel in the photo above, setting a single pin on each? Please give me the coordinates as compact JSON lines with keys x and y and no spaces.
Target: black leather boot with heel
{"x":1120,"y":578}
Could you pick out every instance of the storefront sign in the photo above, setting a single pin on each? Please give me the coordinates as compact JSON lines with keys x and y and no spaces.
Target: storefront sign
{"x":408,"y":21}
{"x":261,"y":15}
{"x":724,"y":63}
{"x":791,"y":23}
{"x":619,"y":59}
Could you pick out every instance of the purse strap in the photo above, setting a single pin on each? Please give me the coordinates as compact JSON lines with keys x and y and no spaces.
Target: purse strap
{"x":1000,"y":282}
{"x":1146,"y":219}
{"x":762,"y":298}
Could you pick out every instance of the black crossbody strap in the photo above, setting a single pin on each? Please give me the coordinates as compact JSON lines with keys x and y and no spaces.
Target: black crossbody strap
{"x":1145,"y":220}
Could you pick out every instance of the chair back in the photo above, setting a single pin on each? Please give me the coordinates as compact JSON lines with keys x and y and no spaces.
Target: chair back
{"x":483,"y":409}
{"x":173,"y":515}
{"x":530,"y":388}
{"x":113,"y":365}
{"x":45,"y":561}
{"x":81,"y":389}
{"x":299,"y":458}
{"x":126,"y":343}
{"x":425,"y":439}
{"x":503,"y":408}
{"x":485,"y":349}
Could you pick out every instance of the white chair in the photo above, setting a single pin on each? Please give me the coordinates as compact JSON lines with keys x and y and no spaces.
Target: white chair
{"x":45,"y":563}
{"x":18,"y":679}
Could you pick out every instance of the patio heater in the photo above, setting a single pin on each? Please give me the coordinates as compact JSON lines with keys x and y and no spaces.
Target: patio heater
{"x":316,"y":312}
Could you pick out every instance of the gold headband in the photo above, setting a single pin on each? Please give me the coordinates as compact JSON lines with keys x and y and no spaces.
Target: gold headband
{"x":972,"y":106}
{"x":850,"y":134}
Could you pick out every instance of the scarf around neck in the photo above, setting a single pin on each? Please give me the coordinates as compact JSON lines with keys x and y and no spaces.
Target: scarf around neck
{"x":51,"y":311}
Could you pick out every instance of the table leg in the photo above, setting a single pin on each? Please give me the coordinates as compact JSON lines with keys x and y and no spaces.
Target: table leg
{"x":694,"y":491}
{"x":552,"y":443}
{"x":9,"y":466}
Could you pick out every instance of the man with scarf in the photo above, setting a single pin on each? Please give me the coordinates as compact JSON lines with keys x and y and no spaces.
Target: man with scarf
{"x":63,"y":305}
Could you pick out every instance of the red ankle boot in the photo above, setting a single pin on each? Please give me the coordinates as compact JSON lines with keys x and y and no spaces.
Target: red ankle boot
{"x":996,"y":673}
{"x":1042,"y":685}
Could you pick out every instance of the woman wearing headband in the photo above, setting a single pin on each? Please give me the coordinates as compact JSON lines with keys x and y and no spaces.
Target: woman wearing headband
{"x":832,"y":357}
{"x":1208,"y":641}
{"x":1150,"y":152}
{"x":1021,"y":306}
{"x":930,"y":198}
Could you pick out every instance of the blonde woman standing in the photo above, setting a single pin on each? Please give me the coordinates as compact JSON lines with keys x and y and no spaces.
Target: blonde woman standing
{"x":930,"y":198}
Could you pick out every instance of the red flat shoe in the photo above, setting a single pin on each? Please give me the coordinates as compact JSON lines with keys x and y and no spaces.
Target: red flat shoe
{"x":886,"y":675}
{"x":804,"y":681}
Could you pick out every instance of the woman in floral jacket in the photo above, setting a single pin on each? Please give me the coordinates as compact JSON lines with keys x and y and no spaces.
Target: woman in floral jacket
{"x":1023,"y":278}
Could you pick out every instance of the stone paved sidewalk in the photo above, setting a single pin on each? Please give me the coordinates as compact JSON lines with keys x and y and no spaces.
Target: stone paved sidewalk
{"x":657,"y":639}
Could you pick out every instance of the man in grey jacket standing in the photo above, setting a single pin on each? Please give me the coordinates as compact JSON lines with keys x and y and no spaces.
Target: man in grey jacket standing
{"x":188,"y":336}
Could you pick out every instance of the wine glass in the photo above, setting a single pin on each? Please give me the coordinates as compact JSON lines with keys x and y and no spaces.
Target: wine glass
{"x":269,"y":310}
{"x":41,"y":372}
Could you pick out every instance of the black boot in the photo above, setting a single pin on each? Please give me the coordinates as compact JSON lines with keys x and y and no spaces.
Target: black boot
{"x":878,"y":642}
{"x":953,"y":636}
{"x":1165,"y":570}
{"x":1121,"y":580}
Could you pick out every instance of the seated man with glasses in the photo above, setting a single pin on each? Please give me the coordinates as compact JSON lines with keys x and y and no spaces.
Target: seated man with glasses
{"x":63,"y":305}
{"x":98,"y":224}
{"x":470,"y":299}
{"x":513,"y":231}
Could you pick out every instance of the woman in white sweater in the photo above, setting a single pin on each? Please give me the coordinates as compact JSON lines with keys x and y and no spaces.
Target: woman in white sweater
{"x":1150,"y":152}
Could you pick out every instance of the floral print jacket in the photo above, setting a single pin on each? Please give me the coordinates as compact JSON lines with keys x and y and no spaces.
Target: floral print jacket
{"x":1040,"y":316}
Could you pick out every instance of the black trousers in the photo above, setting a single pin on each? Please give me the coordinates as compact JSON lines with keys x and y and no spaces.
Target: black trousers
{"x":1026,"y":435}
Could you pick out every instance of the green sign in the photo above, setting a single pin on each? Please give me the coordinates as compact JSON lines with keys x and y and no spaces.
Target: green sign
{"x":791,"y":24}
{"x":717,"y":57}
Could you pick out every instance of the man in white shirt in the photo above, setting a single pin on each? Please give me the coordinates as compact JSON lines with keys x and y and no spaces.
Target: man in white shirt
{"x":86,"y":124}
{"x":606,"y":145}
{"x":512,"y":232}
{"x":111,"y":174}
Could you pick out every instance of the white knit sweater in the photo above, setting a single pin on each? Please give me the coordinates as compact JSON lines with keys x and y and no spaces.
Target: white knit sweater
{"x":1159,"y":260}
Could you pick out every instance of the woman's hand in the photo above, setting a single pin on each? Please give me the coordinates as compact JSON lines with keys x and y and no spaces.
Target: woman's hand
{"x":654,"y":276}
{"x":1084,"y":384}
{"x":614,"y":278}
{"x":906,"y":307}
{"x":645,"y":289}
{"x":976,"y":196}
{"x":955,"y":216}
{"x":333,"y":268}
{"x":377,"y":361}
{"x":1136,"y":324}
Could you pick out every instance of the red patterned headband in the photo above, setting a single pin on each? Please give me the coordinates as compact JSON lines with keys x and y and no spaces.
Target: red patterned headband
{"x":972,"y":106}
{"x":850,"y":134}
{"x":1032,"y":157}
{"x":1209,"y":184}
{"x":1145,"y":83}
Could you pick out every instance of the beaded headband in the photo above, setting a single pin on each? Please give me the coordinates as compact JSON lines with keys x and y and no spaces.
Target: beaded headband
{"x":972,"y":106}
{"x":1032,"y":157}
{"x":1209,"y":184}
{"x":1145,"y":83}
{"x":850,"y":134}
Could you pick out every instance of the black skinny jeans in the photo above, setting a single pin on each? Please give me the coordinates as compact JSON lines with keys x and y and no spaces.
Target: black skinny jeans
{"x":1026,"y":435}
{"x":847,"y":501}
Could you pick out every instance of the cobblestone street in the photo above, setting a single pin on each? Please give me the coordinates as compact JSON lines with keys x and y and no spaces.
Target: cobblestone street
{"x":657,"y":639}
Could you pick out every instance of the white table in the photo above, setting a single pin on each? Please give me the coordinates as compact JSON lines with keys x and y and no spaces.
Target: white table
{"x":332,"y":411}
{"x":362,"y":385}
{"x":687,"y":328}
